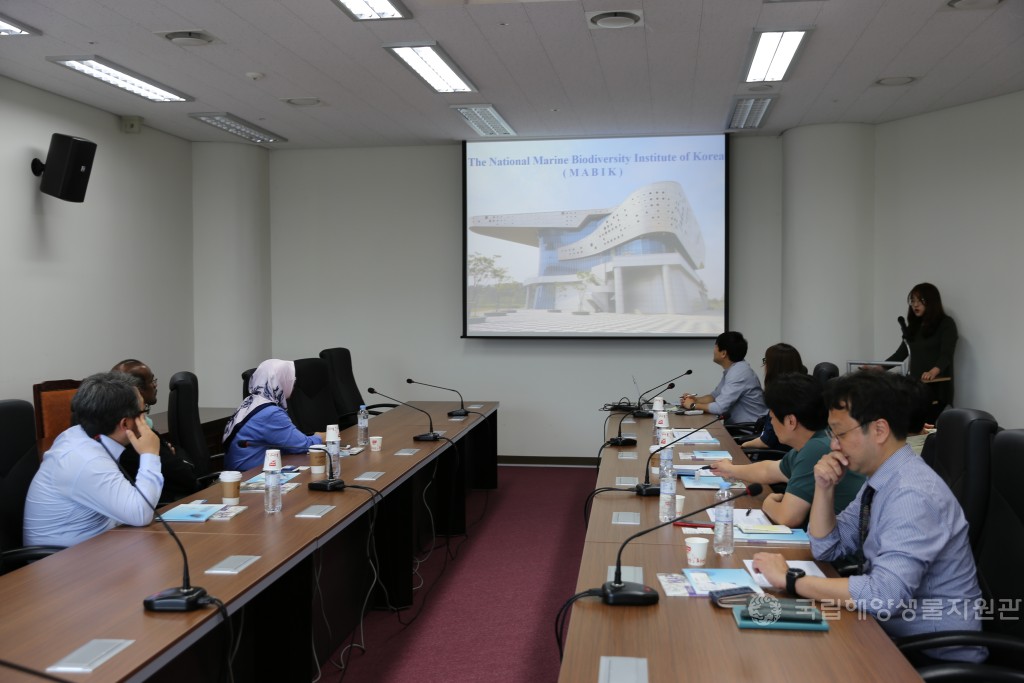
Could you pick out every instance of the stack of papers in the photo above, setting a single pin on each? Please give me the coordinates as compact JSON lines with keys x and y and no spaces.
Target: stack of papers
{"x":707,"y":482}
{"x":191,"y":512}
{"x":809,"y":566}
{"x":711,"y":455}
{"x":703,"y":581}
{"x":701,"y":436}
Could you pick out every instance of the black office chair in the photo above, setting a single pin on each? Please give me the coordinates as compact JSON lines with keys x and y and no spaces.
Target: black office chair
{"x":19,"y":461}
{"x":186,"y":427}
{"x":246,"y":376}
{"x":1000,"y":555}
{"x":960,"y":453}
{"x":344,"y":389}
{"x":825,"y":371}
{"x":311,"y":404}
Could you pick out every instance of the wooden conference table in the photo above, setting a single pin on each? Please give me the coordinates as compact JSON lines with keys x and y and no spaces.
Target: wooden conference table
{"x":303,"y":595}
{"x":688,"y":638}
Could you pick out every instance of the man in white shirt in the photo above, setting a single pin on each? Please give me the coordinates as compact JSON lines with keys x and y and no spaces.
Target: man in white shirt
{"x":80,"y":490}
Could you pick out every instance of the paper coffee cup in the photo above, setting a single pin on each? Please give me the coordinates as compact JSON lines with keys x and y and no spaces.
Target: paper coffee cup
{"x":661,"y":419}
{"x":679,"y":504}
{"x":317,"y":462}
{"x":658,"y":404}
{"x":331,"y":434}
{"x":376,"y":443}
{"x":696,"y":551}
{"x":272,"y":460}
{"x":230,"y":486}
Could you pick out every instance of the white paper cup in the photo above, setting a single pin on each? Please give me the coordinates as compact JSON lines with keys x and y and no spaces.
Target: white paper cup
{"x":659,"y":404}
{"x":679,"y":504}
{"x":272,"y":460}
{"x":230,"y":484}
{"x":376,"y":443}
{"x":696,"y":551}
{"x":317,"y":462}
{"x":661,"y":419}
{"x":331,"y":434}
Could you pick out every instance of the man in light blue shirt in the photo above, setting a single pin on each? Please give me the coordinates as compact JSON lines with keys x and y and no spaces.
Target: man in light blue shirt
{"x":905,"y":527}
{"x":79,"y":490}
{"x":738,"y":395}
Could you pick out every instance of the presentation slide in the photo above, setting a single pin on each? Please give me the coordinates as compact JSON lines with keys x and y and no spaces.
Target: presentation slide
{"x":611,"y":237}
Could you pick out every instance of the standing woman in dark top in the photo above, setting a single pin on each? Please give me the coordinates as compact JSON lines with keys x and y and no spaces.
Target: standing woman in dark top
{"x":932,"y":337}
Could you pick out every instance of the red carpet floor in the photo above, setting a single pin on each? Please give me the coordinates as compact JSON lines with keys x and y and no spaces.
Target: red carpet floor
{"x":489,"y":616}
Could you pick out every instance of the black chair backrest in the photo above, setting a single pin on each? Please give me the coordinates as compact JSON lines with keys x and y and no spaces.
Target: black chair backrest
{"x":184,"y":423}
{"x":1001,"y":549}
{"x":344,"y":389}
{"x":246,"y":376}
{"x":17,"y":432}
{"x":824,"y":371}
{"x":961,"y":455}
{"x":311,"y":404}
{"x":13,"y":490}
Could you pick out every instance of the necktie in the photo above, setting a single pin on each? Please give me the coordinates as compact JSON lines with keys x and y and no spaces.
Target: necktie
{"x":865,"y":518}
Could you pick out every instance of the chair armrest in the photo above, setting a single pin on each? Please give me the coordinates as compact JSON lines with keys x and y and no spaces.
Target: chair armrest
{"x":993,"y":641}
{"x":207,"y":479}
{"x":21,"y":556}
{"x":759,"y":454}
{"x":373,"y":409}
{"x":956,"y":672}
{"x":741,"y":428}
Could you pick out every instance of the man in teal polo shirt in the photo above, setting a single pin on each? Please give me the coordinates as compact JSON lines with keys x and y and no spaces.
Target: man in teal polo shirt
{"x":799,"y":416}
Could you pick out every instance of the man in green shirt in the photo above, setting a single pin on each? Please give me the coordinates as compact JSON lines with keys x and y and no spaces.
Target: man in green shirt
{"x":799,"y":416}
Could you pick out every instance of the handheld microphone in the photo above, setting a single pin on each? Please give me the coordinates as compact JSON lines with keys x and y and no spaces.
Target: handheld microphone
{"x":183,"y":599}
{"x":903,"y":325}
{"x":619,"y":592}
{"x":649,"y":489}
{"x":640,"y":412}
{"x":458,"y":412}
{"x":429,"y":436}
{"x":330,"y":483}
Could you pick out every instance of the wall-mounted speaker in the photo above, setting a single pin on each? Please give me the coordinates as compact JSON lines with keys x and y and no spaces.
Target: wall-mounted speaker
{"x":67,"y":168}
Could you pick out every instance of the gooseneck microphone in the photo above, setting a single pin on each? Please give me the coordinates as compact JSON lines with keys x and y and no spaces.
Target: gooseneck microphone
{"x":640,"y":412}
{"x":330,"y":483}
{"x":619,"y":592}
{"x":183,"y":599}
{"x":458,"y":412}
{"x":621,"y":440}
{"x":649,"y":489}
{"x":429,"y":436}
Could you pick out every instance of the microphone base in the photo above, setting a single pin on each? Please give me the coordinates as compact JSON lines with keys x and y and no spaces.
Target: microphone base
{"x":648,"y":490}
{"x":458,"y":412}
{"x":622,"y":441}
{"x":642,"y":413}
{"x":327,"y":485}
{"x":627,"y":593}
{"x":429,"y":436}
{"x":176,"y":600}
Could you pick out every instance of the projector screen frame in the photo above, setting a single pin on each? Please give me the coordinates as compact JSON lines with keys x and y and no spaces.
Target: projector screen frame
{"x":509,"y":222}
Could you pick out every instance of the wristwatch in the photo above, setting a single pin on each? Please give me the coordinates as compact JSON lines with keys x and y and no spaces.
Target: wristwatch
{"x":791,"y":576}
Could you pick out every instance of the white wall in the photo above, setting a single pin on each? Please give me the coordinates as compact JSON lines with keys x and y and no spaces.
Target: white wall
{"x":86,"y":285}
{"x":950,"y":211}
{"x":364,"y":250}
{"x":366,"y":247}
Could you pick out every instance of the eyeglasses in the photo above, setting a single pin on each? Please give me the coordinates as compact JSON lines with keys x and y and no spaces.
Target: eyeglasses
{"x":911,"y":300}
{"x":832,"y":436}
{"x":764,"y":361}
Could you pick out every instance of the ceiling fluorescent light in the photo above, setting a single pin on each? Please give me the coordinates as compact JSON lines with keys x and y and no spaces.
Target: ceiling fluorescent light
{"x":749,"y":112}
{"x":373,"y":10}
{"x":9,"y":27}
{"x":236,"y":126}
{"x":120,"y":77}
{"x":485,"y":120}
{"x":773,"y":55}
{"x":431,"y":64}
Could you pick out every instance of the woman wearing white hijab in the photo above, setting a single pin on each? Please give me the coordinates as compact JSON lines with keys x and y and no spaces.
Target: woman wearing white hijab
{"x":262,"y":421}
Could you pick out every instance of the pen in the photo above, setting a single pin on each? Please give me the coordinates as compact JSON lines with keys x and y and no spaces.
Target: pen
{"x":748,"y":512}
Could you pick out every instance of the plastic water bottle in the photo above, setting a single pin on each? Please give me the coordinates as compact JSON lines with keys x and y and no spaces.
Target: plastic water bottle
{"x":333,"y":441}
{"x":363,"y":437}
{"x":667,"y":501}
{"x":272,"y":481}
{"x":724,"y":544}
